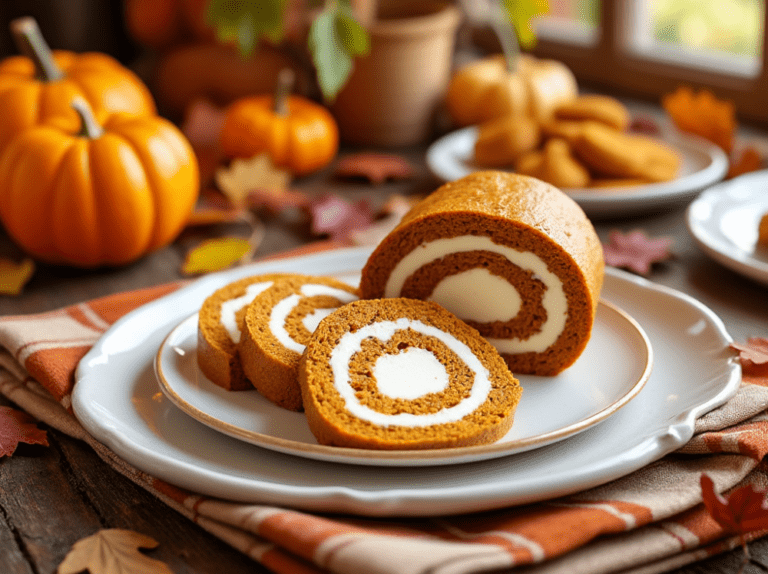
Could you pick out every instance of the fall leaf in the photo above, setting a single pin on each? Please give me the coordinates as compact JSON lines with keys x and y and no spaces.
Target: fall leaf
{"x":217,"y":254}
{"x":744,"y":510}
{"x":13,"y":276}
{"x":748,"y":160}
{"x":18,"y":426}
{"x":112,"y":551}
{"x":245,"y":176}
{"x":276,"y":200}
{"x":635,"y":250}
{"x":391,"y":214}
{"x":375,"y":167}
{"x":754,"y":360}
{"x":337,"y":217}
{"x":702,"y":114}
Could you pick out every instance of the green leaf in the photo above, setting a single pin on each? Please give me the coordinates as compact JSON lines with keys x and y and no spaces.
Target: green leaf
{"x":329,"y":54}
{"x":352,"y":35}
{"x":246,"y":21}
{"x":520,"y":13}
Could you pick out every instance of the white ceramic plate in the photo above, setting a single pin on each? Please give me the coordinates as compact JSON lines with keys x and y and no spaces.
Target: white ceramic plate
{"x":575,"y":400}
{"x":118,"y":401}
{"x":452,"y":157}
{"x":723,"y":220}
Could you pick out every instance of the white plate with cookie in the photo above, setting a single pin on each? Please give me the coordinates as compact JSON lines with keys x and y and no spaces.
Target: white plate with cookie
{"x":703,"y":164}
{"x":724,"y":223}
{"x":118,"y":400}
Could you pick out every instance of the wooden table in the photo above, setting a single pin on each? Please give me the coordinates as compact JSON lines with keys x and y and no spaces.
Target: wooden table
{"x":51,"y":497}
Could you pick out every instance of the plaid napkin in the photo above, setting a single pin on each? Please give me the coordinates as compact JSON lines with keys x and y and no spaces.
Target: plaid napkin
{"x":650,"y":521}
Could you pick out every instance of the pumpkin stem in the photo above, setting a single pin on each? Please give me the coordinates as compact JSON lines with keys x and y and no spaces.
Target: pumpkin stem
{"x":30,"y":42}
{"x":507,"y":36}
{"x":285,"y":80}
{"x":90,"y":128}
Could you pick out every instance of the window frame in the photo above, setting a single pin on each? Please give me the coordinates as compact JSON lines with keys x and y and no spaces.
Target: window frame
{"x":608,"y":64}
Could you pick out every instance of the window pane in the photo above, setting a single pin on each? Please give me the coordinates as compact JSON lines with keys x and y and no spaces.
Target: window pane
{"x":723,"y":35}
{"x":576,"y":21}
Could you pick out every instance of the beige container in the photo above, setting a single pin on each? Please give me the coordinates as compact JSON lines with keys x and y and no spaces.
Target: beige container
{"x":393,"y":94}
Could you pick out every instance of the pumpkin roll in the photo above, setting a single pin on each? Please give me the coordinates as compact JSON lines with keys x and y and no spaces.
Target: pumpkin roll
{"x":511,"y":255}
{"x":404,"y":374}
{"x":278,"y":324}
{"x":219,"y":329}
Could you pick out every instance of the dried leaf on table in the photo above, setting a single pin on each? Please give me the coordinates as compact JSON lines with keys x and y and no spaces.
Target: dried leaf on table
{"x":202,"y":123}
{"x":216,"y":254}
{"x":13,"y":276}
{"x":18,"y":426}
{"x":112,"y":551}
{"x":749,"y":159}
{"x":702,"y":114}
{"x":744,"y":510}
{"x":392,"y":212}
{"x":337,"y":217}
{"x":374,"y":167}
{"x":277,"y":200}
{"x":635,"y":250}
{"x":246,"y":176}
{"x":214,"y":208}
{"x":754,"y":360}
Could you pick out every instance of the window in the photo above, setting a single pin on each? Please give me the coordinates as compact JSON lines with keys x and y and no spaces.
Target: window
{"x":648,"y":48}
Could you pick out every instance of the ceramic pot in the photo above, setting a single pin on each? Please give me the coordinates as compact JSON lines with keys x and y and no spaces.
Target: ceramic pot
{"x":393,"y":93}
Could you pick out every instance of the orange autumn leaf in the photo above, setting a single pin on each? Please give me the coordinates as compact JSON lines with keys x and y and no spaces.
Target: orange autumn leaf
{"x":744,"y":510}
{"x":112,"y":551}
{"x":13,"y":276}
{"x":18,"y":426}
{"x":216,"y":254}
{"x":375,"y":167}
{"x":754,"y":360}
{"x":702,"y":114}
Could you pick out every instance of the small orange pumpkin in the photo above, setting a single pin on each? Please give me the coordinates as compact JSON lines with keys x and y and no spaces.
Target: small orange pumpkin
{"x":37,"y":88}
{"x":105,"y":196}
{"x":298,"y":134}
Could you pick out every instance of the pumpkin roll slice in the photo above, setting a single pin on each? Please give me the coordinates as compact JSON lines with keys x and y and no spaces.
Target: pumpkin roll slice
{"x":511,"y":255}
{"x":219,"y":329}
{"x":404,"y":374}
{"x":278,"y":324}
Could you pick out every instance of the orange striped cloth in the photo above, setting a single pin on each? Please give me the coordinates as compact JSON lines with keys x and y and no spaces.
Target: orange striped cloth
{"x":650,"y":521}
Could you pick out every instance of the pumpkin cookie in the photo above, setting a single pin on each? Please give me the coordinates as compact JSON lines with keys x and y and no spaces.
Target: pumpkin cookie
{"x":500,"y":142}
{"x":278,"y":324}
{"x":555,"y":165}
{"x":595,"y":107}
{"x":610,"y":153}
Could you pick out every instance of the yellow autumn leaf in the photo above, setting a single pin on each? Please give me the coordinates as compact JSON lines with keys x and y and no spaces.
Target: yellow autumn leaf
{"x":13,"y":276}
{"x":244,"y":176}
{"x":216,"y":254}
{"x":112,"y":551}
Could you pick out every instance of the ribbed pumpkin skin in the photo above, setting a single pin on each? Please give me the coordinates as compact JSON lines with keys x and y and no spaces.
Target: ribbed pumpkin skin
{"x":105,"y":84}
{"x":302,"y":141}
{"x":105,"y":201}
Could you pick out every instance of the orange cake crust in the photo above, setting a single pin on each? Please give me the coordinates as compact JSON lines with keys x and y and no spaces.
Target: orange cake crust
{"x":276,"y":330}
{"x":494,"y":217}
{"x":217,"y":353}
{"x":345,"y":376}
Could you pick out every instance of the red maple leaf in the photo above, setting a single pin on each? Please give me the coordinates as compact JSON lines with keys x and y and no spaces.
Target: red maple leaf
{"x":337,"y":217}
{"x":15,"y":427}
{"x":375,"y":167}
{"x":744,"y":510}
{"x":635,"y":250}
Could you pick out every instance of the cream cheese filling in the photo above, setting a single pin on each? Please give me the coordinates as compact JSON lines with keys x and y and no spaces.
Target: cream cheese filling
{"x":350,"y":344}
{"x":554,"y":300}
{"x":283,"y":308}
{"x":230,"y":307}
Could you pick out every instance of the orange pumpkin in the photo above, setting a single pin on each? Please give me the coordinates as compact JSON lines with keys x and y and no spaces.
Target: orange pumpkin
{"x":38,"y":88}
{"x":298,"y":134}
{"x":105,"y":196}
{"x":486,"y":89}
